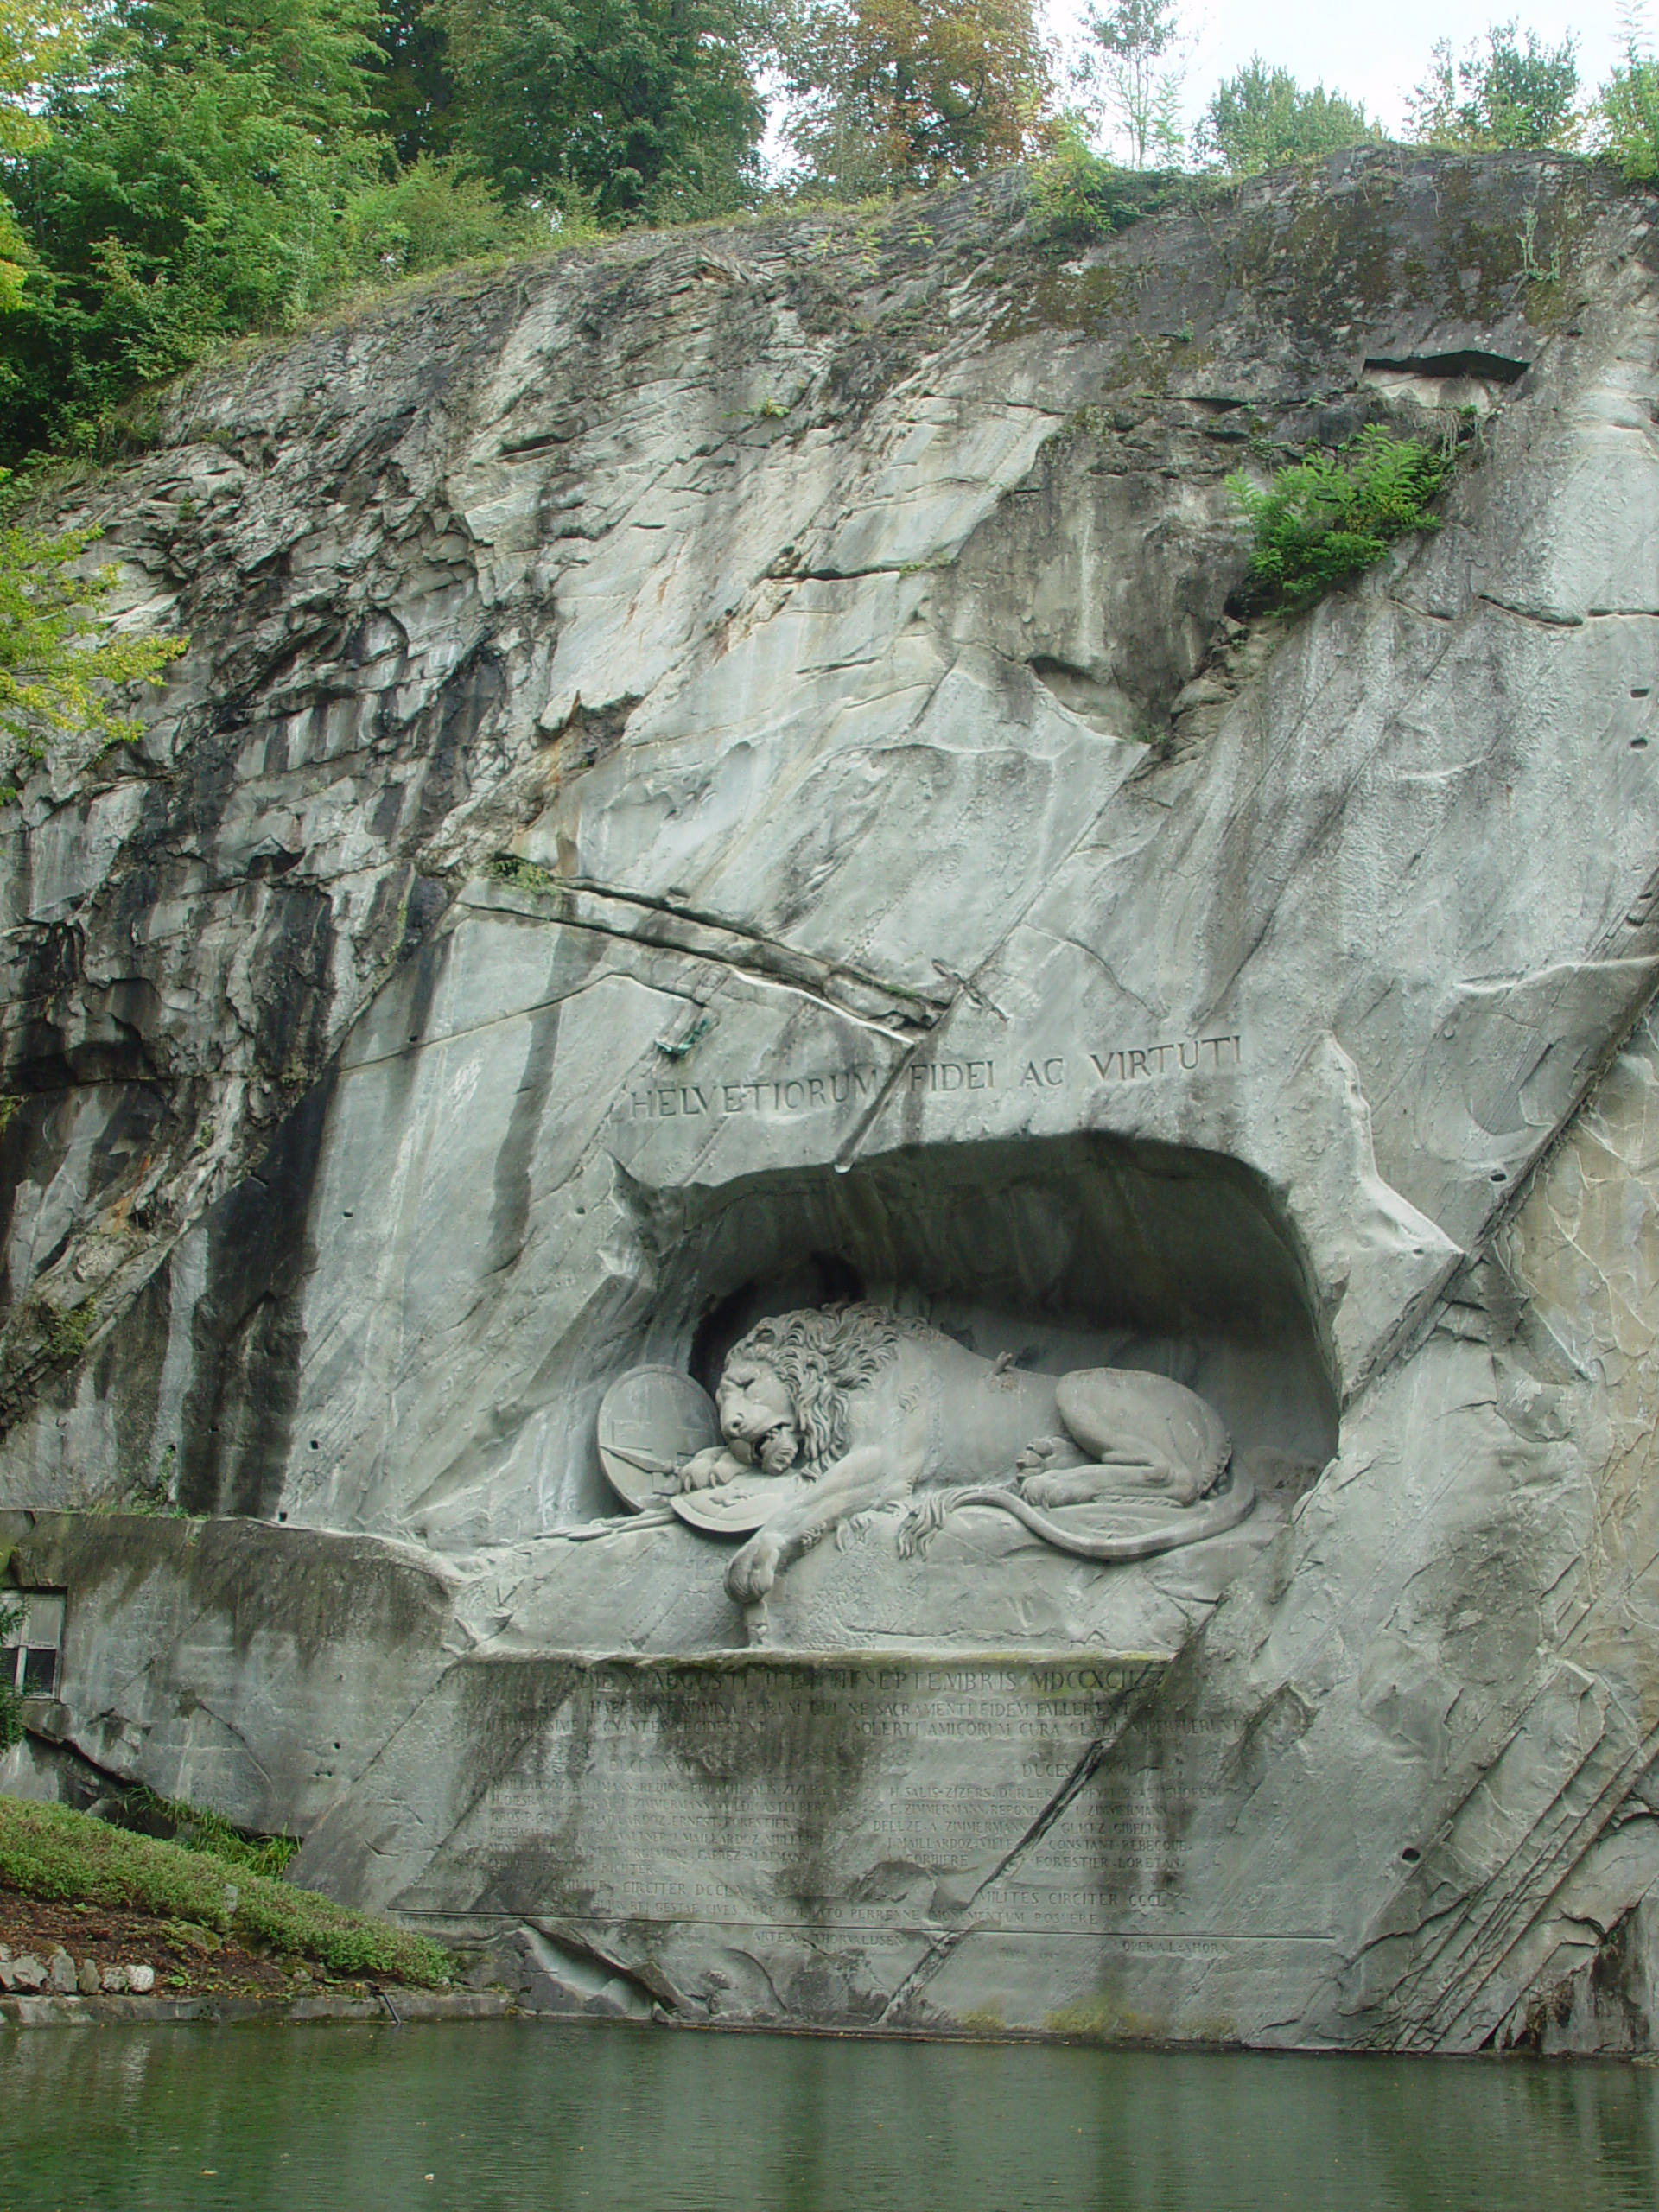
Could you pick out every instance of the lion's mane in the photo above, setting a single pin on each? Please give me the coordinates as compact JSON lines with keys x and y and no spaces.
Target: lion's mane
{"x":825,"y":1357}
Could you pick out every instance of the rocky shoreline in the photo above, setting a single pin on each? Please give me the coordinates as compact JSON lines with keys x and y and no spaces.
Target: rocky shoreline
{"x":402,"y":2006}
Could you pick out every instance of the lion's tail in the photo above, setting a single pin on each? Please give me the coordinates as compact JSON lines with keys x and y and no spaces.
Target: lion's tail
{"x":1224,"y":1509}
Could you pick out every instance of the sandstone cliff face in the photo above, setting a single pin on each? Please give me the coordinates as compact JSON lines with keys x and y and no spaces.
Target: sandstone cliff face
{"x":721,"y":773}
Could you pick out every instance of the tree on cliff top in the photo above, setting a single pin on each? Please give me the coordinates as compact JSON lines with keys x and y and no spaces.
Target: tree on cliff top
{"x":35,"y":41}
{"x":191,"y":184}
{"x":641,"y":109}
{"x":912,"y":92}
{"x":1262,"y":116}
{"x":414,"y":87}
{"x":1627,"y":109}
{"x":1500,"y":96}
{"x":1130,"y":74}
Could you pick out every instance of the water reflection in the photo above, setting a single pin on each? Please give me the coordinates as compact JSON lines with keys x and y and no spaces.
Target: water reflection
{"x":504,"y":2117}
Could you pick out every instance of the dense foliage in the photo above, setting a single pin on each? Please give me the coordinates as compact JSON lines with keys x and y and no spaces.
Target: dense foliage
{"x":1628,"y":112}
{"x":911,"y":93}
{"x":1262,"y":116}
{"x":1501,"y":94}
{"x":634,"y":108}
{"x":50,"y":1852}
{"x":413,"y":87}
{"x":193,"y":183}
{"x":31,"y":45}
{"x":1329,"y":517}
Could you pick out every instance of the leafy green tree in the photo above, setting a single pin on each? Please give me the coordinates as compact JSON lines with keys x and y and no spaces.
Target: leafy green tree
{"x":641,"y":109}
{"x":35,"y":40}
{"x":192,"y":185}
{"x":913,"y":92}
{"x":59,"y":660}
{"x":1262,"y":116}
{"x":1503,"y":95}
{"x":414,"y":89}
{"x":1131,"y":73}
{"x":1627,"y":107}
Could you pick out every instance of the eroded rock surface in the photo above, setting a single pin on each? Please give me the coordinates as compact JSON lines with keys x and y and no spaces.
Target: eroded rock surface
{"x":727,"y":775}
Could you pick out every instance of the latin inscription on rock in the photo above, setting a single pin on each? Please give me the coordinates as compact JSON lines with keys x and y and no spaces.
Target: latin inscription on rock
{"x":784,"y":1093}
{"x":854,"y":1796}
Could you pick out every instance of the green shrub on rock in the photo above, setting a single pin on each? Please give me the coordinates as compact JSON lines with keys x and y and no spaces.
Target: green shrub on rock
{"x":1333,"y":515}
{"x":1077,"y":196}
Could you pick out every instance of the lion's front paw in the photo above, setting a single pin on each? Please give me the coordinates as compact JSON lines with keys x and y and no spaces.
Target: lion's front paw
{"x":755,"y":1570}
{"x":705,"y":1469}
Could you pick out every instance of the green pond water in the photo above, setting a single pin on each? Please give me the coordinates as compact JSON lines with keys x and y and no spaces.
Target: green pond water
{"x":496,"y":2117}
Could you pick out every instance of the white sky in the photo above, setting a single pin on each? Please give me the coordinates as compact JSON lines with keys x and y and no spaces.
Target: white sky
{"x":1372,"y":52}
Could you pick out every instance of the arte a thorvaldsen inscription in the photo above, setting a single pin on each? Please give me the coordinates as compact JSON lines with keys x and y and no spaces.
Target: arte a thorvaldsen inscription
{"x":831,"y":1414}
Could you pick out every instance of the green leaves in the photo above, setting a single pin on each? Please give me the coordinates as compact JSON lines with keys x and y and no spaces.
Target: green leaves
{"x":35,"y":40}
{"x":1506,"y":95}
{"x":896,"y":94}
{"x":645,"y":109}
{"x":1077,"y":197}
{"x":1333,"y":515}
{"x":191,"y":184}
{"x":1627,"y":111}
{"x":1261,"y":117}
{"x":59,"y":660}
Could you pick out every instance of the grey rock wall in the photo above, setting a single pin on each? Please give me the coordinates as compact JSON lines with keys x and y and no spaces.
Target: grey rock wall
{"x":729,"y":772}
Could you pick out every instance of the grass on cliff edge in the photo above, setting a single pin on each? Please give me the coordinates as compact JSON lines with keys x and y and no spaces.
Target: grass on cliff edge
{"x":47,"y":1851}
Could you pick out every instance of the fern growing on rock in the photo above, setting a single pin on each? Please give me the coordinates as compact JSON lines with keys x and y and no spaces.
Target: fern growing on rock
{"x":1334,"y":515}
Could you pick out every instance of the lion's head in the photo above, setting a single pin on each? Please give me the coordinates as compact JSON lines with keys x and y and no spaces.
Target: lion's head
{"x":785,"y":1388}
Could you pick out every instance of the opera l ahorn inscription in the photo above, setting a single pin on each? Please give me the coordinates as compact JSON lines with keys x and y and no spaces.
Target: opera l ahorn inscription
{"x":821,"y":1415}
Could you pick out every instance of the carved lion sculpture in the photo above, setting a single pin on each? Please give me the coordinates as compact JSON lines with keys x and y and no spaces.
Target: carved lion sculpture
{"x":869,"y":1407}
